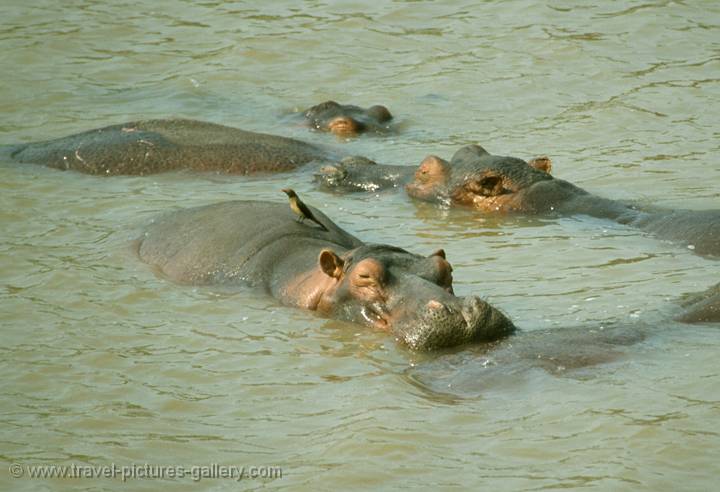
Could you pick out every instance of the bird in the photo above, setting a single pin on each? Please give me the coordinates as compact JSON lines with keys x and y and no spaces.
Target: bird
{"x":300,"y":209}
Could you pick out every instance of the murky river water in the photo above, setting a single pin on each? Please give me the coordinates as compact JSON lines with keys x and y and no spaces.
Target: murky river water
{"x":105,"y":363}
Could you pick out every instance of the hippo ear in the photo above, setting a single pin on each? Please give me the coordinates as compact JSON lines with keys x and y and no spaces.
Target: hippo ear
{"x":380,"y":113}
{"x":440,"y":253}
{"x":331,"y":264}
{"x":543,"y":163}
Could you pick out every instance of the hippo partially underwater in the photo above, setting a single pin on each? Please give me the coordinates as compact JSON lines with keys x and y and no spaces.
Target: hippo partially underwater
{"x":494,"y":184}
{"x":260,"y":244}
{"x":154,"y":146}
{"x":331,"y":272}
{"x":473,"y":177}
{"x":347,"y":119}
{"x":703,"y":307}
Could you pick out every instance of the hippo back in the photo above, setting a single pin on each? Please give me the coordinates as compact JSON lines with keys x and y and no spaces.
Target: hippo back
{"x":233,"y":242}
{"x":154,"y":146}
{"x":703,"y":307}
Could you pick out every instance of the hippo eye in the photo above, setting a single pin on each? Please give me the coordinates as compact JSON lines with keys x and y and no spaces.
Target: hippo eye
{"x":368,"y":287}
{"x":366,"y":278}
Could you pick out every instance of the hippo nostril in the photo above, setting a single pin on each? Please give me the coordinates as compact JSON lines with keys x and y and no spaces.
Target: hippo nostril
{"x":484,"y":321}
{"x":441,"y":309}
{"x":434,"y":305}
{"x":473,"y":302}
{"x":473,"y":310}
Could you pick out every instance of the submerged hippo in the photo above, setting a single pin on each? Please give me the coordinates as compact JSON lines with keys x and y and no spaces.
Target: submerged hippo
{"x":494,"y":184}
{"x":155,"y":146}
{"x":329,"y":271}
{"x":507,"y":362}
{"x":348,"y":120}
{"x":703,"y":307}
{"x":567,"y":350}
{"x":362,"y":174}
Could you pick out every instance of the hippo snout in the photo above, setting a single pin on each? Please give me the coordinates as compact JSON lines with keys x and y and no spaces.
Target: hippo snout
{"x":447,"y":323}
{"x":485,"y":323}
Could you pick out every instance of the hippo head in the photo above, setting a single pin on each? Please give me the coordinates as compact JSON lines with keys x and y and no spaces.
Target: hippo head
{"x":491,"y":183}
{"x":408,"y":295}
{"x":348,"y":120}
{"x":356,"y":173}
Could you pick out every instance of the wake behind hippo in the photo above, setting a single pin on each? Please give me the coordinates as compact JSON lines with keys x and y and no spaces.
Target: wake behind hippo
{"x":329,"y":271}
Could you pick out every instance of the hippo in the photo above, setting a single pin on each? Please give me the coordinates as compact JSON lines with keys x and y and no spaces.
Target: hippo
{"x":494,"y":184}
{"x":154,"y":146}
{"x":356,"y":174}
{"x":328,"y":271}
{"x":703,"y":307}
{"x":348,"y":120}
{"x":570,"y":351}
{"x":499,"y":185}
{"x":362,"y":174}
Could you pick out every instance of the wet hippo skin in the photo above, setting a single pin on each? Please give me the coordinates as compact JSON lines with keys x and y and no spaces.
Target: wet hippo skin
{"x":347,"y":119}
{"x":493,"y":184}
{"x":472,"y":371}
{"x":331,"y":272}
{"x":155,"y":146}
{"x":497,"y":185}
{"x":703,"y":307}
{"x":361,"y":174}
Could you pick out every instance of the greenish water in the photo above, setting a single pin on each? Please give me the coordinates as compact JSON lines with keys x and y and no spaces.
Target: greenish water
{"x":103,"y":362}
